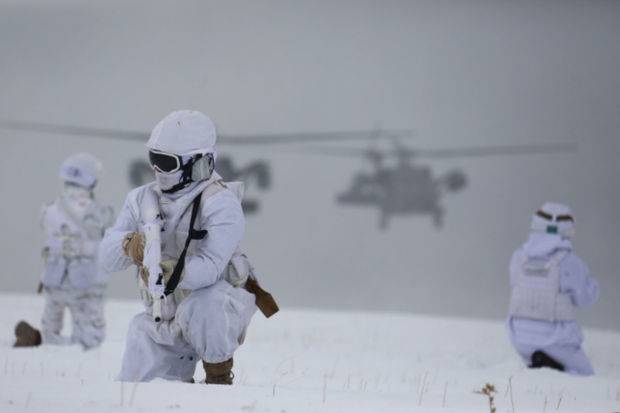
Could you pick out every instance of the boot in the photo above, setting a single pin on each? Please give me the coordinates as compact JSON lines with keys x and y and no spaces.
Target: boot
{"x":219,"y":373}
{"x":26,"y":335}
{"x":542,"y":359}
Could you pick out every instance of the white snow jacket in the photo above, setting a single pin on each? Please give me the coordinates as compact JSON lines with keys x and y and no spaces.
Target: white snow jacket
{"x":207,"y":259}
{"x":73,"y":230}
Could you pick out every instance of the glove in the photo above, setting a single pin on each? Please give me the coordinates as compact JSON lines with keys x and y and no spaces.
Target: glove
{"x":156,"y":290}
{"x":168,"y":267}
{"x":144,"y":275}
{"x":239,"y":269}
{"x":133,"y":246}
{"x":40,"y":288}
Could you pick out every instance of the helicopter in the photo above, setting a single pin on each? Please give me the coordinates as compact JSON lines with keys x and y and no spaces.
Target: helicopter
{"x":256,"y":173}
{"x":406,"y":188}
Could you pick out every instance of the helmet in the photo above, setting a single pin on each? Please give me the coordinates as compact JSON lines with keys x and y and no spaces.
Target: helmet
{"x":81,"y":169}
{"x":182,"y":149}
{"x":554,"y":218}
{"x":183,"y":132}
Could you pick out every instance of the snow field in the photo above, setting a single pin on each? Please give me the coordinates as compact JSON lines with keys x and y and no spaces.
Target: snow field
{"x":310,"y":361}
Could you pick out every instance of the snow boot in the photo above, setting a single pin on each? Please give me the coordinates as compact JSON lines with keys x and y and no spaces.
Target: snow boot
{"x":541,"y":359}
{"x":219,"y":373}
{"x":26,"y":335}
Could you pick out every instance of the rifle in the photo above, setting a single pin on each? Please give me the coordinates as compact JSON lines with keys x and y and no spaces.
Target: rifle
{"x":152,"y":223}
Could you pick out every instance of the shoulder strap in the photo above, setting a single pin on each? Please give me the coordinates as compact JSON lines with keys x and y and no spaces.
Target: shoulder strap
{"x":191,"y":234}
{"x":214,"y":188}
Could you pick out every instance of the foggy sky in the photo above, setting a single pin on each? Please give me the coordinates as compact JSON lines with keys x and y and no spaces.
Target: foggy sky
{"x":458,"y":72}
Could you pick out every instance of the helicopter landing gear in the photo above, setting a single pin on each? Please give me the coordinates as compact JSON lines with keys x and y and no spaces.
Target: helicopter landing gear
{"x":438,"y":218}
{"x":250,"y":206}
{"x":384,"y":221}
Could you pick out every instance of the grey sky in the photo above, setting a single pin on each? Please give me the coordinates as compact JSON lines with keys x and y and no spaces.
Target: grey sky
{"x":459,"y":72}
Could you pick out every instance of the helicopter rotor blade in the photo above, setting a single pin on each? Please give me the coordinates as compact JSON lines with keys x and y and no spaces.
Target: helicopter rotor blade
{"x":337,"y":151}
{"x":294,"y":138}
{"x":258,"y":139}
{"x":310,"y":137}
{"x":73,"y":130}
{"x":496,"y":150}
{"x":445,"y":153}
{"x":372,"y":154}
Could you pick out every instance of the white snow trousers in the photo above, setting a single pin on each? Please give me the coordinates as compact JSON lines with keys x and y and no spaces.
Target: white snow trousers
{"x":209,"y":325}
{"x":571,"y":356}
{"x":561,"y":340}
{"x":86,"y":308}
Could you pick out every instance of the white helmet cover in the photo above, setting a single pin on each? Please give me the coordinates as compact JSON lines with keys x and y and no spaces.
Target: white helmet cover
{"x":554,"y":218}
{"x":82,"y":169}
{"x":183,"y":132}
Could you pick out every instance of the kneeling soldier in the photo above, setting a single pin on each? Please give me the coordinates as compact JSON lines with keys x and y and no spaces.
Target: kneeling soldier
{"x":183,"y":233}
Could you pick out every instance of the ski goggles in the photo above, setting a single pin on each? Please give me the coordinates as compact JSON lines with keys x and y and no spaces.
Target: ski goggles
{"x":165,"y":162}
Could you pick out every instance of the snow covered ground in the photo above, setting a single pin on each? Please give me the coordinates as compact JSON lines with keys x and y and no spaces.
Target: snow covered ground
{"x":309,"y":361}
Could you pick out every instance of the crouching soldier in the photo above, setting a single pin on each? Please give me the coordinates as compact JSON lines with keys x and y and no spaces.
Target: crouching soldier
{"x":74,"y":225}
{"x":183,"y":233}
{"x":548,"y":283}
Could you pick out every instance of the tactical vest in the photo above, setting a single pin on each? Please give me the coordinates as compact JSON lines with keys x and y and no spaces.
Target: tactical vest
{"x":536,"y":292}
{"x":66,"y":235}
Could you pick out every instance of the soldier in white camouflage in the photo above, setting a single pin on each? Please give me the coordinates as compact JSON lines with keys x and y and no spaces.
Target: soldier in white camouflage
{"x":73,"y":225}
{"x":549,"y":283}
{"x":206,"y":291}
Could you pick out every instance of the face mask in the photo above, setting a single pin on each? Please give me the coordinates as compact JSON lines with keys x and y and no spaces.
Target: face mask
{"x":76,"y":192}
{"x":167,"y":181}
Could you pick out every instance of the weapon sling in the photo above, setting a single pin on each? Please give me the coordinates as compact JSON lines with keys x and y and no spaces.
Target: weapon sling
{"x":171,"y":285}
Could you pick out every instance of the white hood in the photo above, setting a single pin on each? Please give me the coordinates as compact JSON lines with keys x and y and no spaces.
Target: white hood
{"x":82,"y":169}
